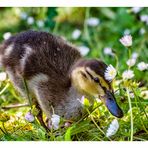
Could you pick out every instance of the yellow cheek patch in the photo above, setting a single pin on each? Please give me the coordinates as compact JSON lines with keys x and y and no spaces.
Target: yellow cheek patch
{"x":102,"y":81}
{"x":89,"y":87}
{"x":86,"y":84}
{"x":83,"y":84}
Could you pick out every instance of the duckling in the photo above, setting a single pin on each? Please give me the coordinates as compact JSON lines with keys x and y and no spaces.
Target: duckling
{"x":56,"y":74}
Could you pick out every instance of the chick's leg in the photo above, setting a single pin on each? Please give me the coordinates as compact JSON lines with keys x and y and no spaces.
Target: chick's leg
{"x":40,"y":118}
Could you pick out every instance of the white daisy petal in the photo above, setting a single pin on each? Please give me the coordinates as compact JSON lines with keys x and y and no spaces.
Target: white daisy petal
{"x":83,"y":50}
{"x":92,"y":21}
{"x":3,"y":76}
{"x":142,"y":66}
{"x":127,"y":32}
{"x":113,"y":128}
{"x":142,"y":31}
{"x":23,"y":15}
{"x":136,"y":9}
{"x":108,"y":51}
{"x":131,"y":62}
{"x":110,"y":73}
{"x":135,"y":55}
{"x":144,"y":18}
{"x":126,"y":40}
{"x":144,"y":94}
{"x":30,"y":20}
{"x":29,"y":117}
{"x":84,"y":101}
{"x":128,"y":74}
{"x":40,"y":23}
{"x":76,"y":34}
{"x":7,"y":35}
{"x":132,"y":95}
{"x":55,"y":121}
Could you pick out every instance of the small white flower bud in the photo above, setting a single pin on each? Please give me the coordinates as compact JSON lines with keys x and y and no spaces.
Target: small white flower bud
{"x":113,"y":128}
{"x":128,"y":74}
{"x":76,"y":34}
{"x":29,"y":117}
{"x":92,"y":21}
{"x":126,"y":40}
{"x":142,"y":66}
{"x":131,"y":62}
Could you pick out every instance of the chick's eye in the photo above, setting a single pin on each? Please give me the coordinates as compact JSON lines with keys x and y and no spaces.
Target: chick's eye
{"x":96,"y":80}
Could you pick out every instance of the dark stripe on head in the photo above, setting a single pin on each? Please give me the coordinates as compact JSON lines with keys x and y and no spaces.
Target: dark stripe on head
{"x":83,"y":74}
{"x":89,"y":74}
{"x":94,"y":78}
{"x":95,"y":65}
{"x":98,"y":67}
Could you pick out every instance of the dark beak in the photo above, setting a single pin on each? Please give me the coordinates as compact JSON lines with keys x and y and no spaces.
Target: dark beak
{"x":112,"y":105}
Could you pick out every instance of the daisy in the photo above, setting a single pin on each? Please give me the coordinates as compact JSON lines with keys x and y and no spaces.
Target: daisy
{"x":19,"y":114}
{"x":7,"y":35}
{"x":144,"y":94}
{"x":40,"y":23}
{"x":84,"y":101}
{"x":76,"y":34}
{"x":132,"y":95}
{"x":126,"y":40}
{"x":136,"y":9}
{"x":93,"y":21}
{"x":29,"y":117}
{"x":3,"y":76}
{"x":113,"y":128}
{"x":84,"y":50}
{"x":30,"y":20}
{"x":126,"y":32}
{"x":131,"y":62}
{"x":23,"y":16}
{"x":135,"y":55}
{"x":142,"y":31}
{"x":142,"y":66}
{"x":128,"y":74}
{"x":108,"y":51}
{"x":144,"y":18}
{"x":110,"y":73}
{"x":81,"y":100}
{"x":55,"y":119}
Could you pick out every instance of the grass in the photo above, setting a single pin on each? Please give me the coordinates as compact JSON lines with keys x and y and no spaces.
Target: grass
{"x":93,"y":125}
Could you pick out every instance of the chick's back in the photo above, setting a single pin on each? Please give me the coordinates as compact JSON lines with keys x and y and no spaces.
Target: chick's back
{"x":30,"y":53}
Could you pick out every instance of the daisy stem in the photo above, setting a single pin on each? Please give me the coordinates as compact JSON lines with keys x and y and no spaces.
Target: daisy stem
{"x":131,"y":114}
{"x":86,"y":33}
{"x":86,"y":30}
{"x":7,"y":85}
{"x":117,"y":62}
{"x":55,"y":27}
{"x":96,"y":124}
{"x":129,"y":52}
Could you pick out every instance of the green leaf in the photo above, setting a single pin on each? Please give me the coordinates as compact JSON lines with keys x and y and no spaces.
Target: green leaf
{"x":68,"y":134}
{"x":81,"y":127}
